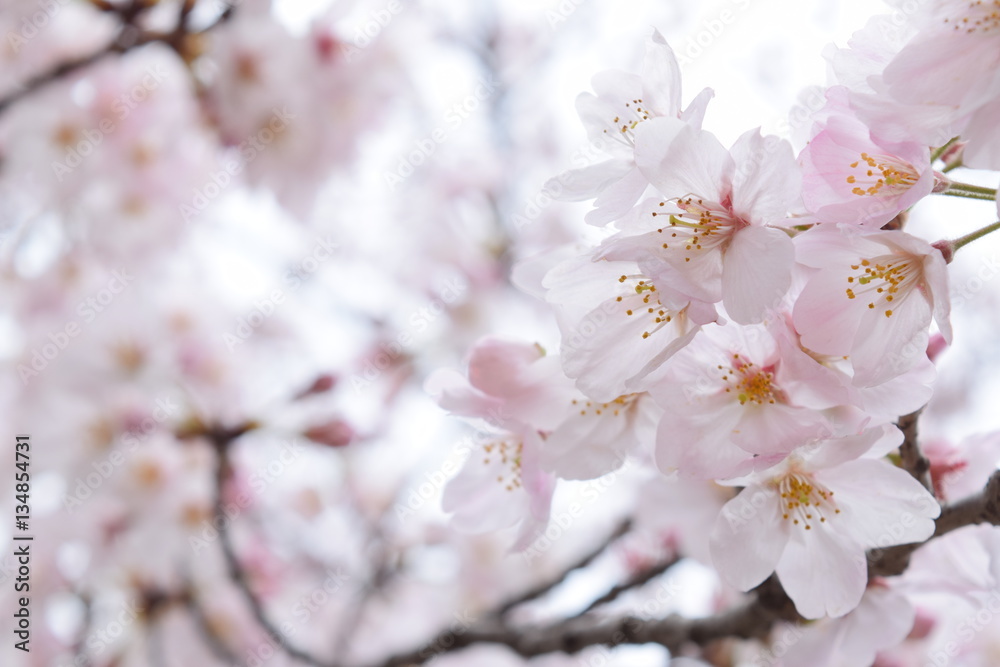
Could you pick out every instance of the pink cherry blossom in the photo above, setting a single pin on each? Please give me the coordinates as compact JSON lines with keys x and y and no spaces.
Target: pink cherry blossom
{"x":540,"y":425}
{"x":872,"y":299}
{"x":812,"y":517}
{"x":852,"y":176}
{"x":860,"y":68}
{"x":730,"y":404}
{"x":713,"y":236}
{"x":953,"y":60}
{"x":825,"y":382}
{"x":617,"y":325}
{"x":624,"y":101}
{"x":881,"y":620}
{"x":501,"y":486}
{"x":958,"y":472}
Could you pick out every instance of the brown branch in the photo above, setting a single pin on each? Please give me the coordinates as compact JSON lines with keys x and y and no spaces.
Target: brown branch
{"x":544,"y":587}
{"x":983,"y":507}
{"x":79,"y":647}
{"x":381,"y":572}
{"x":129,"y":37}
{"x":636,"y":580}
{"x":752,"y":620}
{"x":222,"y":438}
{"x":913,"y":460}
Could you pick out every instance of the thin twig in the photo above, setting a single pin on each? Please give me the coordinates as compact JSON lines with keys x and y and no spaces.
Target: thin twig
{"x":129,"y":37}
{"x":753,"y":619}
{"x":544,"y":587}
{"x":223,"y":438}
{"x":635,"y":581}
{"x":749,"y":620}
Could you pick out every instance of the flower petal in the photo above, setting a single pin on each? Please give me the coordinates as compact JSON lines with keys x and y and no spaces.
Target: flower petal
{"x":756,"y":272}
{"x":749,"y":537}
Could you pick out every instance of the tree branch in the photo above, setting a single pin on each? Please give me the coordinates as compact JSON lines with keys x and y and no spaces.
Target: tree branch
{"x":544,"y":587}
{"x":636,"y":580}
{"x":983,"y":507}
{"x":748,"y":621}
{"x":753,"y":619}
{"x":914,"y":461}
{"x":222,"y":439}
{"x":129,"y":37}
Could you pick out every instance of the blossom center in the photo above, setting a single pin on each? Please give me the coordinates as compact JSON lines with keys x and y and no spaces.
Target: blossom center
{"x":750,"y":383}
{"x":624,"y":123}
{"x":508,"y":455}
{"x":982,"y":17}
{"x":881,"y":175}
{"x":613,"y":407}
{"x":702,"y":225}
{"x":645,"y":303}
{"x":804,"y":501}
{"x":885,"y":280}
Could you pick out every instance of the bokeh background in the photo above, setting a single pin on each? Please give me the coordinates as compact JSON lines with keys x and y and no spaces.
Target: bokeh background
{"x":282,"y":216}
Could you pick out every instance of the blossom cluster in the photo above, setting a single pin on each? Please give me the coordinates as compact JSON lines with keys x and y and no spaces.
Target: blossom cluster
{"x":755,"y":318}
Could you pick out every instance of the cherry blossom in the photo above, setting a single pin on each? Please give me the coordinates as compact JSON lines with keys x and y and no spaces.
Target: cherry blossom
{"x":622,"y":103}
{"x":285,"y":407}
{"x":713,"y":236}
{"x":617,"y":325}
{"x":730,"y":403}
{"x":852,"y":176}
{"x":952,"y":60}
{"x":812,"y":517}
{"x":882,"y":619}
{"x":872,"y":299}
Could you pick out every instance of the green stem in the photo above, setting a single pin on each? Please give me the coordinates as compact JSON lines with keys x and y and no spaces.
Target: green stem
{"x":966,"y":195}
{"x":954,"y":165}
{"x":938,"y":152}
{"x":976,"y":189}
{"x":979,"y":233}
